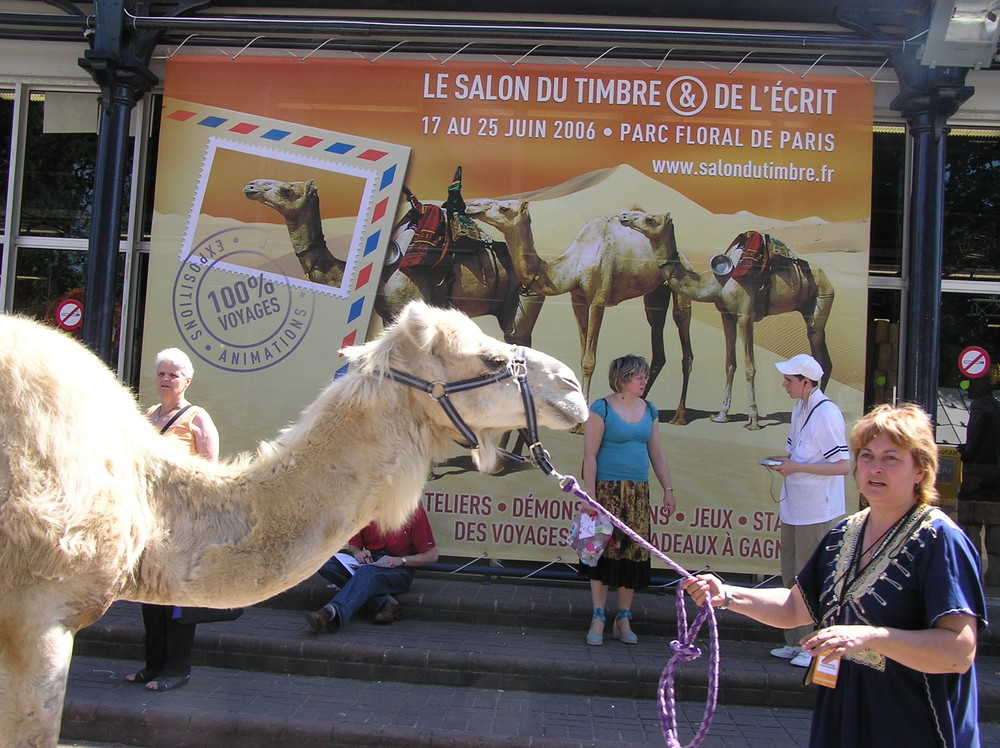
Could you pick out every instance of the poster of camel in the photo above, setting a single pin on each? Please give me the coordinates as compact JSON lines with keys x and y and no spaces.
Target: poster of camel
{"x":618,"y":202}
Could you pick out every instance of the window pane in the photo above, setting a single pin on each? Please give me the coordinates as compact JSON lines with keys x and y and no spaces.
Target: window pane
{"x":49,"y":286}
{"x":43,"y":275}
{"x":888,"y":181}
{"x":156,"y":102}
{"x":971,"y":202}
{"x":59,"y":166}
{"x":967,"y":320}
{"x":6,"y":125}
{"x":881,"y":367}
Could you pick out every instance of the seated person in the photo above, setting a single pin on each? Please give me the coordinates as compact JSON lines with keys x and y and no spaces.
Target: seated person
{"x":385,"y":567}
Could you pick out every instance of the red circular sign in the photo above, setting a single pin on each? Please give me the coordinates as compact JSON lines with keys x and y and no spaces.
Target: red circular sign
{"x":69,"y":314}
{"x":974,"y":362}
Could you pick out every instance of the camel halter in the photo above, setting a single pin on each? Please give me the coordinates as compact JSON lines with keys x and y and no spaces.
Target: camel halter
{"x":438,"y":390}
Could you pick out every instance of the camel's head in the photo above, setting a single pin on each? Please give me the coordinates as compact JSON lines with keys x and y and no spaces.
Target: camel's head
{"x":501,"y":214}
{"x":287,"y":198}
{"x":648,"y":224}
{"x":439,"y":345}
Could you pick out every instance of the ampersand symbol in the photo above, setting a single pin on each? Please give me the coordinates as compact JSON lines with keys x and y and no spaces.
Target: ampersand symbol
{"x":687,"y":98}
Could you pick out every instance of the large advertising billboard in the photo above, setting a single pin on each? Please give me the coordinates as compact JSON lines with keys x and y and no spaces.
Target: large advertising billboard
{"x":280,"y":181}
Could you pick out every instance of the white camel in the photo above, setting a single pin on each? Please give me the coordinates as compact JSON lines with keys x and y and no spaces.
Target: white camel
{"x":605,"y":265}
{"x":483,"y":284}
{"x":791,"y":285}
{"x":95,"y":506}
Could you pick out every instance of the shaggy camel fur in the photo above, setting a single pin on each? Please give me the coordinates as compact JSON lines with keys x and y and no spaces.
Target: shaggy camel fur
{"x":483,"y":286}
{"x":793,"y":286}
{"x":604,"y":266}
{"x":95,"y":506}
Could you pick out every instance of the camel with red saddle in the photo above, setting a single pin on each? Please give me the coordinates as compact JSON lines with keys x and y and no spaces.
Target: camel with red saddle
{"x":787,"y":284}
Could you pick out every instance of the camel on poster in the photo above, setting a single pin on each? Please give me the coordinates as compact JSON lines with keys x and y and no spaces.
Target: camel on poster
{"x":484,"y":284}
{"x":792,"y":285}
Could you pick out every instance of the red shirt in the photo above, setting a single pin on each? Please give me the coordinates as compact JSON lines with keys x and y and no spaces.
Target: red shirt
{"x":415,"y":537}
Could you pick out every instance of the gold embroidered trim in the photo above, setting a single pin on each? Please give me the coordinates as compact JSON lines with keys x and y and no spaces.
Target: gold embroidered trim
{"x":860,"y":590}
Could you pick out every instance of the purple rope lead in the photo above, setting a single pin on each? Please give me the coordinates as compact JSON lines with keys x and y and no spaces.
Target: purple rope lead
{"x":683,"y":647}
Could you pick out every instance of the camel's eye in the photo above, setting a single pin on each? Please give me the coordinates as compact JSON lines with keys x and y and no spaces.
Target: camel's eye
{"x":495,"y":361}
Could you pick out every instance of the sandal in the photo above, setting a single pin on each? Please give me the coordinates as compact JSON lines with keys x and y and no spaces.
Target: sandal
{"x":619,"y":631}
{"x":596,"y":639}
{"x":168,"y":683}
{"x":143,"y":676}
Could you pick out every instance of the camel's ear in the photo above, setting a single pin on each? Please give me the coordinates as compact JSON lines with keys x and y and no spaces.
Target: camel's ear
{"x":375,"y":355}
{"x":522,"y":207}
{"x":310,"y":186}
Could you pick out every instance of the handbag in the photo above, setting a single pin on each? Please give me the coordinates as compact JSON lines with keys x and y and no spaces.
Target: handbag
{"x":206,"y":615}
{"x":589,"y":536}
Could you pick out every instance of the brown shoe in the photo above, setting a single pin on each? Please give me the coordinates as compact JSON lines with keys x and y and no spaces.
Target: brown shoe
{"x":319,"y":621}
{"x":389,"y":612}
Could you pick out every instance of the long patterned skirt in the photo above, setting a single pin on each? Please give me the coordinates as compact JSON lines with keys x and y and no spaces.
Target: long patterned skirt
{"x":624,"y":563}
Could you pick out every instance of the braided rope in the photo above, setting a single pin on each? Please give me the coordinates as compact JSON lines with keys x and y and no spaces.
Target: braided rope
{"x":683,"y":647}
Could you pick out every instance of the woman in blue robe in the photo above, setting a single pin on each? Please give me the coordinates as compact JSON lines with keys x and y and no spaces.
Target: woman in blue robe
{"x":896,"y":595}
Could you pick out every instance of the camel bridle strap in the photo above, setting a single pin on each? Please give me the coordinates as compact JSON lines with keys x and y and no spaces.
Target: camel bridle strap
{"x":683,"y":647}
{"x":439,"y":390}
{"x":516,"y":369}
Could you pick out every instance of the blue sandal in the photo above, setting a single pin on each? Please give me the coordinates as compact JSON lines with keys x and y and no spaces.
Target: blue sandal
{"x":625,"y":637}
{"x":596,"y":640}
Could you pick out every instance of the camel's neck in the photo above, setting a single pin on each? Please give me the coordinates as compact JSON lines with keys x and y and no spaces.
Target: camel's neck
{"x":277,"y":519}
{"x":531,"y":270}
{"x":677,"y":270}
{"x":305,"y":229}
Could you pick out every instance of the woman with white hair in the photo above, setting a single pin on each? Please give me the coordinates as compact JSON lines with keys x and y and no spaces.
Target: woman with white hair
{"x":169,"y":642}
{"x":194,"y":427}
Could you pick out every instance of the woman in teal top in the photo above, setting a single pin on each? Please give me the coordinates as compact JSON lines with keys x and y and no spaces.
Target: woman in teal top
{"x":621,"y":440}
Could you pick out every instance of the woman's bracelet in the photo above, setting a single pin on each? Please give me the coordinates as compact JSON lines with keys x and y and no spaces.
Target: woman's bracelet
{"x":727,"y":599}
{"x":669,"y":488}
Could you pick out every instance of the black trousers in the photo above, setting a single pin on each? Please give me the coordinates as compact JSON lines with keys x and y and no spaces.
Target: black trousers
{"x":168,"y":643}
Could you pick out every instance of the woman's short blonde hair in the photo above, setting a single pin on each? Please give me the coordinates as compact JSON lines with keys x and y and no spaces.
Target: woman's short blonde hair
{"x":624,"y":368}
{"x":909,"y":427}
{"x":178,"y":358}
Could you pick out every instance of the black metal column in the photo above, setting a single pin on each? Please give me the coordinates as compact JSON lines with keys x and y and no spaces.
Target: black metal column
{"x":926,"y":100}
{"x":117,"y":62}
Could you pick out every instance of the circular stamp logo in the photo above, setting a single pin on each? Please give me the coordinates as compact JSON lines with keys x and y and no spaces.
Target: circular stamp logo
{"x":686,"y":95}
{"x":234,"y":316}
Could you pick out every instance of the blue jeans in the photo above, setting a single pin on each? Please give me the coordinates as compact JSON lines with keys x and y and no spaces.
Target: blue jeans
{"x":369,"y":585}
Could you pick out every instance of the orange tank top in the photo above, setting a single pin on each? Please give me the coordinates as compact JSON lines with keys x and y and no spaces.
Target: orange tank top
{"x":180,"y":430}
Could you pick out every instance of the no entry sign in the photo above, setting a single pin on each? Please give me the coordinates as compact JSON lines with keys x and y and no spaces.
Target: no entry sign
{"x":973,"y":362}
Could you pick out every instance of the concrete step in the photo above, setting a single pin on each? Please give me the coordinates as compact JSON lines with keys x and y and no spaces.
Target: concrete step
{"x":459,"y":655}
{"x":461,"y":634}
{"x":565,"y":606}
{"x":224,"y":708}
